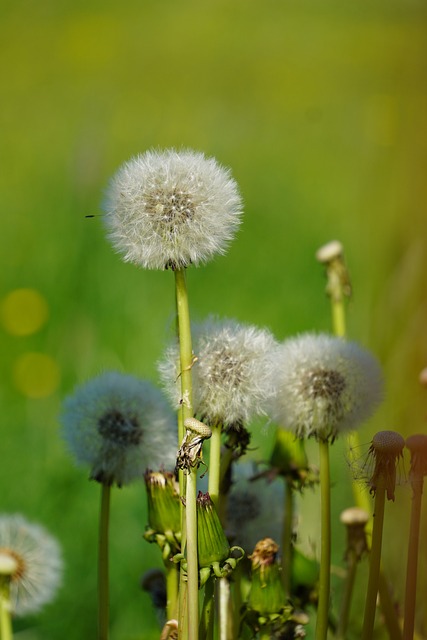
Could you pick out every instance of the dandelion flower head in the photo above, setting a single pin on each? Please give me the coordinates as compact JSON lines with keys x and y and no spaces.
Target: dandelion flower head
{"x":231,"y":376}
{"x":171,"y":209}
{"x":38,"y":563}
{"x":324,"y":385}
{"x":119,"y":426}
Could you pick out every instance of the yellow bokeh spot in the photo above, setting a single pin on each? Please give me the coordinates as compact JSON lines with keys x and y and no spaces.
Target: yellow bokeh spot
{"x":36,"y":375}
{"x":23,"y":312}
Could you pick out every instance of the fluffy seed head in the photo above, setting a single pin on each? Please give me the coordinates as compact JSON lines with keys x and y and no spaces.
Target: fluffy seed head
{"x":119,"y":426}
{"x":324,"y":385}
{"x":37,"y":560}
{"x":172,"y":209}
{"x":231,"y":376}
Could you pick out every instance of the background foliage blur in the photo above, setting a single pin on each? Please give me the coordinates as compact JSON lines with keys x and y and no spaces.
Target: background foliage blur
{"x":319,"y":108}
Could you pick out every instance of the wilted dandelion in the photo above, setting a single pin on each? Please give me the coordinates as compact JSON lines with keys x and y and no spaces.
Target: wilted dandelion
{"x":172,"y":209}
{"x":119,"y":426}
{"x":231,"y":376}
{"x":417,"y":445}
{"x":386,"y":449}
{"x":325,"y":385}
{"x":37,"y":559}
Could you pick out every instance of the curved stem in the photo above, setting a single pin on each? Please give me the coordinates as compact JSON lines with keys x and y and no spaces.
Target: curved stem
{"x":325,"y":543}
{"x":374,"y":564}
{"x":412,"y":566}
{"x":103,"y":564}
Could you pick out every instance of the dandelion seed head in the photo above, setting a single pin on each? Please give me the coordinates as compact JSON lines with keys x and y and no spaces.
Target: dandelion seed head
{"x":172,"y":209}
{"x":119,"y":426}
{"x":232,"y":375}
{"x":324,"y":385}
{"x":36,"y":562}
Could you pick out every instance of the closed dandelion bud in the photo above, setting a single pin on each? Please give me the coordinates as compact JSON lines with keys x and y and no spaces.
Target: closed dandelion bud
{"x":267,"y":595}
{"x":163,"y":503}
{"x":212,"y":544}
{"x":386,"y":449}
{"x":355,"y":520}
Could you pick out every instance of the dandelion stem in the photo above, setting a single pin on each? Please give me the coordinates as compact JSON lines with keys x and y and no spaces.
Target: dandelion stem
{"x":374,"y":563}
{"x":348,"y":593}
{"x":103,"y":564}
{"x":206,"y":628}
{"x":215,"y":464}
{"x":186,"y":361}
{"x":287,"y":538}
{"x":338,"y":317}
{"x":5,"y":608}
{"x":325,"y":543}
{"x":412,"y":566}
{"x":171,"y":590}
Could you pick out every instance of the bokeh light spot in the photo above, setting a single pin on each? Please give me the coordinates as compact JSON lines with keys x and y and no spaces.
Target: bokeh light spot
{"x":36,"y":375}
{"x":23,"y":312}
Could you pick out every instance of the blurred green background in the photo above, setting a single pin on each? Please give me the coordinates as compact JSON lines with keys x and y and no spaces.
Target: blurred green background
{"x":319,"y":108}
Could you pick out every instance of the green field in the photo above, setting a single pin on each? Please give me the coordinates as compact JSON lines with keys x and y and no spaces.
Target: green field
{"x":319,"y":108}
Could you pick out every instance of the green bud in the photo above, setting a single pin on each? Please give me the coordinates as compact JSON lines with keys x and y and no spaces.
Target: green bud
{"x":267,"y":595}
{"x":212,"y":544}
{"x":163,"y":502}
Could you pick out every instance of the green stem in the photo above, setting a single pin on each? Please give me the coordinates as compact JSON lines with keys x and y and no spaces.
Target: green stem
{"x":192,"y":562}
{"x":103,"y":565}
{"x":287,"y":539}
{"x":5,"y":609}
{"x":206,"y":628}
{"x":374,"y":564}
{"x":190,"y":537}
{"x":412,"y":566}
{"x":171,"y":590}
{"x":325,"y":543}
{"x":338,"y":317}
{"x":215,"y":464}
{"x":348,"y":593}
{"x":389,"y":609}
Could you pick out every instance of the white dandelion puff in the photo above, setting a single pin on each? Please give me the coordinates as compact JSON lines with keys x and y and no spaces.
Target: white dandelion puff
{"x":38,"y":563}
{"x":231,"y":375}
{"x":325,"y":385}
{"x":172,"y":209}
{"x":119,"y":426}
